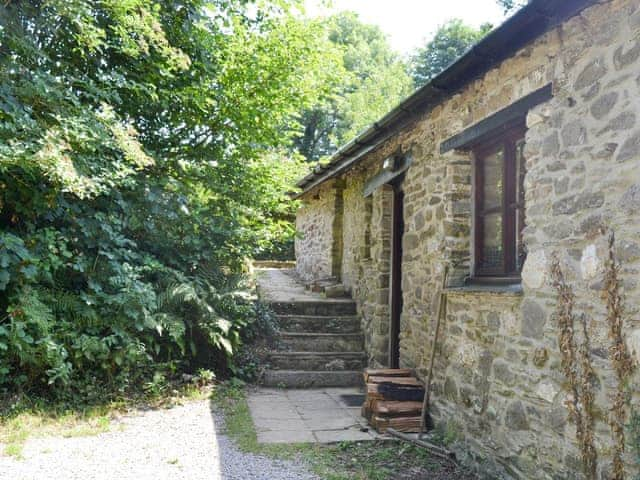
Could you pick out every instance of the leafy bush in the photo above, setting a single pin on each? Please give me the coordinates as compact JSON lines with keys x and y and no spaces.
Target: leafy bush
{"x":257,"y":340}
{"x":140,"y":164}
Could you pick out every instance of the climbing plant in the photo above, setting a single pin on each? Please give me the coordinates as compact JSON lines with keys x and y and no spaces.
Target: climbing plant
{"x":577,"y":369}
{"x":579,"y":373}
{"x":619,"y":356}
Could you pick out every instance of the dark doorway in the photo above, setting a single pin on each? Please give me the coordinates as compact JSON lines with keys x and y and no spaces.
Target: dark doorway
{"x":396,"y":275}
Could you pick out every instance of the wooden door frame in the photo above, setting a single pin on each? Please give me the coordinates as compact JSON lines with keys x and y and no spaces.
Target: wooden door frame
{"x":395,"y":280}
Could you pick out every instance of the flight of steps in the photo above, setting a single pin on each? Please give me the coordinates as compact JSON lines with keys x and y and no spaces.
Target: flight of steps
{"x":320,"y":345}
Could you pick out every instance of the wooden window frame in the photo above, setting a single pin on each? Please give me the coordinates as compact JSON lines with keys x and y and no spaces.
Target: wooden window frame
{"x":512,"y":208}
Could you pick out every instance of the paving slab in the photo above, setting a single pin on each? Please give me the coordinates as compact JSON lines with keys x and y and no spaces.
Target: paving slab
{"x":286,"y":436}
{"x":308,"y":395}
{"x":335,"y":423}
{"x":333,"y":436}
{"x":272,"y":424}
{"x":323,"y":404}
{"x":314,"y":416}
{"x":307,"y":414}
{"x":273,"y":412}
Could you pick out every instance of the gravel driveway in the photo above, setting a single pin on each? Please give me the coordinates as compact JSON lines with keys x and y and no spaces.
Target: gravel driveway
{"x":179,"y":443}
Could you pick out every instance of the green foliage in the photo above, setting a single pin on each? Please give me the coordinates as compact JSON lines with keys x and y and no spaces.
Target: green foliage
{"x":510,"y":6}
{"x":140,"y":165}
{"x":450,"y":41}
{"x":258,"y":339}
{"x":368,"y":80}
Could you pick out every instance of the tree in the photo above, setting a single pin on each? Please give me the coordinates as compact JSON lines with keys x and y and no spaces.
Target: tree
{"x":510,"y":6}
{"x":450,"y":41}
{"x":369,"y":81}
{"x":137,"y":171}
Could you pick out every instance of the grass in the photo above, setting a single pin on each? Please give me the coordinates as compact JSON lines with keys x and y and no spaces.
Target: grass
{"x":25,"y":419}
{"x":18,"y":429}
{"x":378,"y":460}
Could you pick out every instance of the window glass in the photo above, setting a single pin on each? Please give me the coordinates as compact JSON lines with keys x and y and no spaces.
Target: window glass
{"x":493,"y":194}
{"x":493,"y":185}
{"x":492,"y":254}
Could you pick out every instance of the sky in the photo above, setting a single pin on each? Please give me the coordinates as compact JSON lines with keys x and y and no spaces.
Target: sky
{"x":409,"y":23}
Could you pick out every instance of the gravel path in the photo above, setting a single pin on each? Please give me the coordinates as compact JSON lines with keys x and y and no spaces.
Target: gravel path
{"x":179,"y":443}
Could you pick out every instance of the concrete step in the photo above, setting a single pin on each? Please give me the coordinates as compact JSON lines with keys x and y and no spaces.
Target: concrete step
{"x":310,"y":323}
{"x":317,"y":379}
{"x":320,"y":342}
{"x":327,"y":361}
{"x":315,"y":307}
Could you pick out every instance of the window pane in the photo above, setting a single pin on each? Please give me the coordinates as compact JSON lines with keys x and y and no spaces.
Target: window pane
{"x":493,"y":183}
{"x":492,"y":253}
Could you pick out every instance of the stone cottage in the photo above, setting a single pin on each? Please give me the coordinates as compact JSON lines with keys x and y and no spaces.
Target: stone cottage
{"x":517,"y":171}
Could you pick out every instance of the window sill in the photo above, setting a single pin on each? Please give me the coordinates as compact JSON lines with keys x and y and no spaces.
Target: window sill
{"x":504,"y":290}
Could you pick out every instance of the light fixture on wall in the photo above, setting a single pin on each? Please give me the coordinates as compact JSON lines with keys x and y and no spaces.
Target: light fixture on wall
{"x":392,"y":163}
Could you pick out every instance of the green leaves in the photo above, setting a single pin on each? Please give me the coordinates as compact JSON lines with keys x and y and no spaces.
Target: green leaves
{"x":142,"y":159}
{"x":451,"y":40}
{"x":367,"y":78}
{"x":15,"y":260}
{"x":510,"y":6}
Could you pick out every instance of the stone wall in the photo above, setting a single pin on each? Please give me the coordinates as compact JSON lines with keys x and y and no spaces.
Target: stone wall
{"x":499,"y":385}
{"x":315,"y":224}
{"x":354,"y":229}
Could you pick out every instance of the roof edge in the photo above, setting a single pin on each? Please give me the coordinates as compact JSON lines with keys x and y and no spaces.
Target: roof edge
{"x":527,"y":24}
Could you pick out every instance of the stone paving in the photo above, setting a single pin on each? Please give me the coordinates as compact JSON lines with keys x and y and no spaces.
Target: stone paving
{"x":307,"y":416}
{"x":281,"y":285}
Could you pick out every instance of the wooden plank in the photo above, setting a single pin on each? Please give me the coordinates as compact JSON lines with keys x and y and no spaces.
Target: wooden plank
{"x":367,"y":407}
{"x":401,"y":424}
{"x":373,"y":393}
{"x":365,"y":412}
{"x":504,"y":118}
{"x":384,"y":408}
{"x":387,"y":391}
{"x":411,"y":381}
{"x":386,"y":372}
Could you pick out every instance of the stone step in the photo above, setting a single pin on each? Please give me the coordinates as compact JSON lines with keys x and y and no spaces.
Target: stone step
{"x":316,"y":379}
{"x":317,"y":307}
{"x":328,"y":361}
{"x":320,"y":342}
{"x":327,"y":324}
{"x":335,"y":291}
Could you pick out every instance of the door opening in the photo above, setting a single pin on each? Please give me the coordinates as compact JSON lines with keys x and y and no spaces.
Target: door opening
{"x":396,"y":275}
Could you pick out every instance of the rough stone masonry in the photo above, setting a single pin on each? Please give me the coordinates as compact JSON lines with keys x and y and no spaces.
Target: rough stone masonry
{"x":499,"y":385}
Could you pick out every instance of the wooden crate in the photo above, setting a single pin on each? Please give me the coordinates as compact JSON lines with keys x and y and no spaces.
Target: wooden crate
{"x":384,"y":408}
{"x":401,"y":424}
{"x":385,"y":372}
{"x":409,"y":381}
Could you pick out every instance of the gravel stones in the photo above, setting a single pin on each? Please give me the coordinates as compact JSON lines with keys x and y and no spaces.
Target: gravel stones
{"x":182,"y":443}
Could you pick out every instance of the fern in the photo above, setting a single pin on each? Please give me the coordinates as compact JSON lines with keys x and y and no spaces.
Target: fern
{"x":33,"y":312}
{"x":69,"y":305}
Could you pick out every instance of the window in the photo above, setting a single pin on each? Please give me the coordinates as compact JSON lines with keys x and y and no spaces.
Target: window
{"x":499,"y":206}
